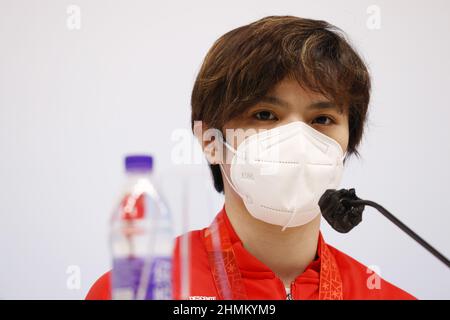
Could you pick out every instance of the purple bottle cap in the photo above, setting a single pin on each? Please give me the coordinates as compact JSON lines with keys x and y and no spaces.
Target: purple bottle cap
{"x":138,"y":163}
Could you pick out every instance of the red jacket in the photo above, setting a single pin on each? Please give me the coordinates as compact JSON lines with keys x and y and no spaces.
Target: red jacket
{"x":333,"y":275}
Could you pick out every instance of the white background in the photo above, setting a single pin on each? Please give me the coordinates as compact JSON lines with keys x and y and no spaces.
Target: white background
{"x":73,"y":102}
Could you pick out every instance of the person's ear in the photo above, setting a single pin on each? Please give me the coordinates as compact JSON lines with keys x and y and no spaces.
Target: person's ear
{"x":209,"y":140}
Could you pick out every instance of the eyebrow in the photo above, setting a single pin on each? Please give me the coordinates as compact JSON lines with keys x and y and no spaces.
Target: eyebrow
{"x":321,"y":105}
{"x":318,"y":105}
{"x":275,"y":101}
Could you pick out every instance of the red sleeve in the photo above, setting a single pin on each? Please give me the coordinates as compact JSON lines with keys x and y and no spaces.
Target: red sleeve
{"x":101,"y":289}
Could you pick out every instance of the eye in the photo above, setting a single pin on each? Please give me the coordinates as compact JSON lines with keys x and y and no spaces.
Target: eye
{"x":323,"y":120}
{"x":265,"y":115}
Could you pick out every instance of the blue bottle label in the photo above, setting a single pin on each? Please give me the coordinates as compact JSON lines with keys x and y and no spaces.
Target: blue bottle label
{"x":127,"y":276}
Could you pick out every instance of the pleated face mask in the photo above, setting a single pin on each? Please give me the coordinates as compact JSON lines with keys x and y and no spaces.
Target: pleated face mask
{"x":281,"y":173}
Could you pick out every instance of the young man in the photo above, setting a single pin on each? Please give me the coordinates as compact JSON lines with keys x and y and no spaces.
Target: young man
{"x":295,"y":91}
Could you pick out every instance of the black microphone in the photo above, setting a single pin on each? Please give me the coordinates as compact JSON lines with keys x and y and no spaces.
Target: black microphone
{"x":342,"y":209}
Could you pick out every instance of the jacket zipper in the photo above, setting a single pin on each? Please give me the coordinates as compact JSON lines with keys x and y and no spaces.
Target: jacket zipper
{"x":289,"y":296}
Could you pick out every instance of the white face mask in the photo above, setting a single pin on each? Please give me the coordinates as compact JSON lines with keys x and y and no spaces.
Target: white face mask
{"x":281,"y":173}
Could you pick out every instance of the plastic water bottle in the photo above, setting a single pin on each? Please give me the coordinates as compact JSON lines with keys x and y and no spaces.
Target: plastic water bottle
{"x":141,"y":237}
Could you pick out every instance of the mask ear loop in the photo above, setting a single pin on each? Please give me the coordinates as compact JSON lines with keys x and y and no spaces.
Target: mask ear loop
{"x":234,"y":151}
{"x":290,"y":219}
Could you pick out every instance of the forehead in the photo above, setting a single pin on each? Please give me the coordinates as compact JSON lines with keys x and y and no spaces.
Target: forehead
{"x":290,"y":89}
{"x":290,"y":94}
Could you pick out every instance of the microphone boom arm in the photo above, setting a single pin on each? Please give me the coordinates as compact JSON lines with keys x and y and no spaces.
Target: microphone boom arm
{"x":343,"y":211}
{"x":404,"y":228}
